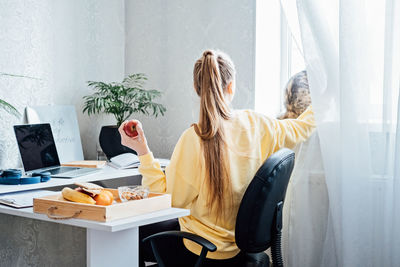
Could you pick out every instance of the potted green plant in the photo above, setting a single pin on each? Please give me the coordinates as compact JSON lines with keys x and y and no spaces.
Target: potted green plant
{"x":121,"y":100}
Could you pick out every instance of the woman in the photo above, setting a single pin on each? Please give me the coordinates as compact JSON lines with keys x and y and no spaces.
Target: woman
{"x":213,"y":162}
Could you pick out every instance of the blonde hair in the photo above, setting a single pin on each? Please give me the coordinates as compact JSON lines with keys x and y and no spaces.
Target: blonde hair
{"x":212,"y":74}
{"x":297,"y":96}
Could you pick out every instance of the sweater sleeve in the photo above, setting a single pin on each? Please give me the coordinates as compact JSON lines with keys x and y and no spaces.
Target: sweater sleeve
{"x":152,"y":174}
{"x":180,"y":175}
{"x":289,"y":132}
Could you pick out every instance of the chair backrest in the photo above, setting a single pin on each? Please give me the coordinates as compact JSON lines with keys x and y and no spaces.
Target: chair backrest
{"x":256,"y":216}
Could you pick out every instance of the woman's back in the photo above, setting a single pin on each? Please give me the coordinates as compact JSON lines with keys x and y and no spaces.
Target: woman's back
{"x":250,"y":139}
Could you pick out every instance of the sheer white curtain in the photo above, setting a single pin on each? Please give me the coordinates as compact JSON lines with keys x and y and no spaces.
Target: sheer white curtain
{"x":352,"y":55}
{"x":306,"y":208}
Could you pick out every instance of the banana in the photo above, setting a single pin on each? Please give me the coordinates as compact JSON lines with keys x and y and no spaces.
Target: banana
{"x":76,"y":196}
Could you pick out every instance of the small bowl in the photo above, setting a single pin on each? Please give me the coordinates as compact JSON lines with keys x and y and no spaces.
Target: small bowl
{"x":133,"y":192}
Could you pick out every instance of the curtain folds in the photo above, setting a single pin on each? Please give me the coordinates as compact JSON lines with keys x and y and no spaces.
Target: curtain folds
{"x":352,"y":54}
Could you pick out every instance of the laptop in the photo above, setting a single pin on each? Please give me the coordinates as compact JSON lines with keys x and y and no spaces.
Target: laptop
{"x":38,"y":152}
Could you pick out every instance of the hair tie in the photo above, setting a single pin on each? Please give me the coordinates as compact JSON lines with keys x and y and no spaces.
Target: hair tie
{"x":208,"y":53}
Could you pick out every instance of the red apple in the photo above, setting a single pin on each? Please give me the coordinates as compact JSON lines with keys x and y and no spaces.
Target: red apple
{"x":130,"y":129}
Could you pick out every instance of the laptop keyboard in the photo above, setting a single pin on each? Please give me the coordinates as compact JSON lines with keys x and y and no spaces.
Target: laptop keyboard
{"x":80,"y":171}
{"x":62,"y":170}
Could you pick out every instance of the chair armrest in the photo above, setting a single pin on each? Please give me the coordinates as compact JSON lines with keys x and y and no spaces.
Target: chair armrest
{"x":207,"y":245}
{"x":195,"y":238}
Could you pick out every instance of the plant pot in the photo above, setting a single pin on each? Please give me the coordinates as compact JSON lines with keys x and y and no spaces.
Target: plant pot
{"x":110,"y":142}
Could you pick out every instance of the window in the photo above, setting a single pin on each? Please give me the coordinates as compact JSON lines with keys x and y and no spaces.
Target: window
{"x":278,"y":57}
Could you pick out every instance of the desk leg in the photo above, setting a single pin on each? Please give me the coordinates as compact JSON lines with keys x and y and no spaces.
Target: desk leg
{"x":112,"y":248}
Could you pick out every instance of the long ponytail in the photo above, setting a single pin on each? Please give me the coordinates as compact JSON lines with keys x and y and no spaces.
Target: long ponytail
{"x":212,"y":74}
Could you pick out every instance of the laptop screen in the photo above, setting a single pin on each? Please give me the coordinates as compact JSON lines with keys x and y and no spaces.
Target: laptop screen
{"x":36,"y":145}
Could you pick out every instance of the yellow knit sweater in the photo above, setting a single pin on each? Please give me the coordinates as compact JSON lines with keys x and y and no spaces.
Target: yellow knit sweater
{"x":251,"y":138}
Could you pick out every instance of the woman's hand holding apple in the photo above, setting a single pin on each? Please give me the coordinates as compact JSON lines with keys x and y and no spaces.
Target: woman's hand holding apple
{"x":132,"y":136}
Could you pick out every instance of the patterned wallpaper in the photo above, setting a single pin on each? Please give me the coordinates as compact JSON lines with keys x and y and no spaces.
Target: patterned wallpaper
{"x":27,"y":242}
{"x":165,"y":38}
{"x":67,"y":42}
{"x":64,"y":43}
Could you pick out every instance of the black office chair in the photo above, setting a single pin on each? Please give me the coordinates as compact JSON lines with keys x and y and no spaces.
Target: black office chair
{"x":259,"y":219}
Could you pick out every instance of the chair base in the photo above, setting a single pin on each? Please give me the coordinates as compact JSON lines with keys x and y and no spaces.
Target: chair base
{"x":257,"y":260}
{"x":250,"y":260}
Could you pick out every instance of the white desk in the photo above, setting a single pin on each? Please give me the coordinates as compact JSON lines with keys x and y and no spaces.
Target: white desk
{"x":113,"y":243}
{"x":106,"y":173}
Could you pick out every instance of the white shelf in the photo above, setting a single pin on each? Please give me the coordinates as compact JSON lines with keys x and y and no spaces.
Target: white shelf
{"x":106,"y":173}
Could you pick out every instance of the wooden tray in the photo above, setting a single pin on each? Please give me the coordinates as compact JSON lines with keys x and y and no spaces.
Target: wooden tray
{"x":56,"y":207}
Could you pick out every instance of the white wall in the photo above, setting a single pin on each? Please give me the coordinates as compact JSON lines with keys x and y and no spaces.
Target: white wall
{"x":65,"y":43}
{"x":165,"y":38}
